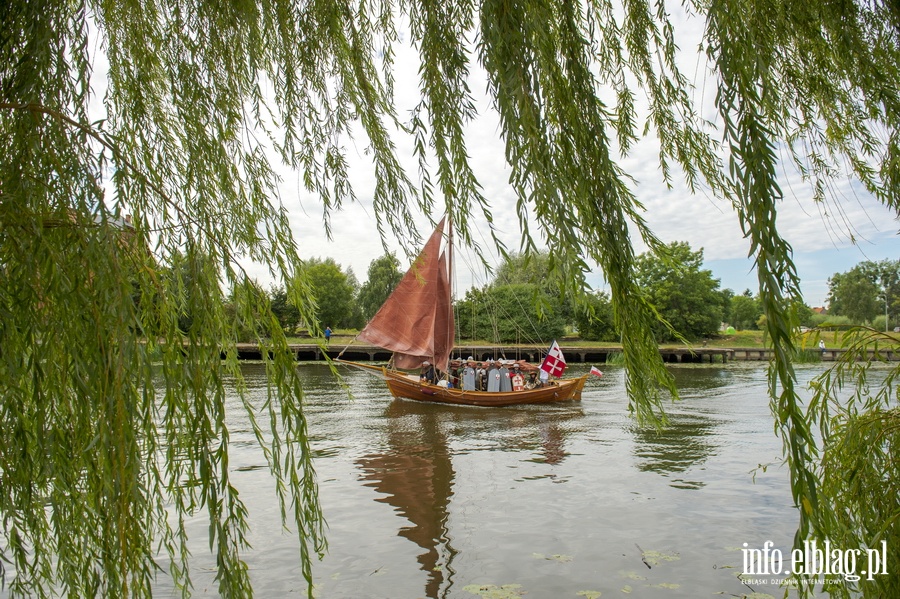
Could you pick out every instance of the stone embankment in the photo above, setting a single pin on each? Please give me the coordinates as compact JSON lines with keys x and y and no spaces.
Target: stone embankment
{"x":574,"y":354}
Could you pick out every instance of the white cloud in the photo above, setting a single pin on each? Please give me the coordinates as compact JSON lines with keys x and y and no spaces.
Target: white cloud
{"x":821,"y":235}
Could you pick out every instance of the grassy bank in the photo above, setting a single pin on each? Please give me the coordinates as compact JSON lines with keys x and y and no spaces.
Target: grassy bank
{"x":740,"y":339}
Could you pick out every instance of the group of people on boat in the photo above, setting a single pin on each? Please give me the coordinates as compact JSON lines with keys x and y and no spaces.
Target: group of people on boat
{"x":490,"y":375}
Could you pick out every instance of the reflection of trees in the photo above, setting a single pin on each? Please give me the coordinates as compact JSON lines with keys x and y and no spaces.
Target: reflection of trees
{"x":415,"y":474}
{"x":685,"y":442}
{"x":700,"y":380}
{"x":688,"y":439}
{"x":416,"y":477}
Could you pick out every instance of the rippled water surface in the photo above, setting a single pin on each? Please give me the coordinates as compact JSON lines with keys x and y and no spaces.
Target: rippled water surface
{"x":567,"y":500}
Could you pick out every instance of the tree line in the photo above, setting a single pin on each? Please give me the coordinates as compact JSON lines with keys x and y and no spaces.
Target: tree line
{"x":521,"y":304}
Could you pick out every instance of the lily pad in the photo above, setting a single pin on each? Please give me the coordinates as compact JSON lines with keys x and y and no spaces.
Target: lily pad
{"x":655,"y":557}
{"x":555,"y":557}
{"x":666,"y":585}
{"x":492,"y":591}
{"x":589,"y":594}
{"x":626,"y":589}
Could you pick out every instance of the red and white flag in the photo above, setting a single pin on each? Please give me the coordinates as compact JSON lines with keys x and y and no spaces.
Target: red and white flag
{"x":555,"y":362}
{"x":596,"y":371}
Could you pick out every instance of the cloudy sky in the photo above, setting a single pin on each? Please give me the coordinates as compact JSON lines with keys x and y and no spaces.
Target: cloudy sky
{"x":822,"y":241}
{"x":826,"y":238}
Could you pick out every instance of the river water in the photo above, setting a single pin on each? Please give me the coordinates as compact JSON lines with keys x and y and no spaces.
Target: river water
{"x":568,"y":500}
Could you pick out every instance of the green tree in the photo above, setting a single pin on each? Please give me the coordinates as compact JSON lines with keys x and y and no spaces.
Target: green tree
{"x":356,"y":320}
{"x":535,"y":268}
{"x":853,"y":294}
{"x":684,"y":294}
{"x":595,"y":319}
{"x":287,"y":314}
{"x":744,"y":311}
{"x":526,"y":269}
{"x":887,"y":276}
{"x":858,"y":469}
{"x":180,"y":275}
{"x":518,"y":313}
{"x":181,"y":144}
{"x":727,"y":295}
{"x":383,"y":277}
{"x":866,"y":291}
{"x":334,"y":290}
{"x":803,"y":314}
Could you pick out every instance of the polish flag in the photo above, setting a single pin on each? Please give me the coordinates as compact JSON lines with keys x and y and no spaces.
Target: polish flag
{"x":555,"y":362}
{"x":596,"y":371}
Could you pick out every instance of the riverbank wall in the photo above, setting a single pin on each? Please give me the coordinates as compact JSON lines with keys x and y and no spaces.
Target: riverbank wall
{"x":574,"y":354}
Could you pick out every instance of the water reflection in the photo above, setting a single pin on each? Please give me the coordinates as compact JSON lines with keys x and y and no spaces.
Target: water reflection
{"x":698,"y":381}
{"x":415,"y":473}
{"x":692,"y":435}
{"x":416,"y":477}
{"x":552,"y":442}
{"x":685,"y":443}
{"x":425,"y":500}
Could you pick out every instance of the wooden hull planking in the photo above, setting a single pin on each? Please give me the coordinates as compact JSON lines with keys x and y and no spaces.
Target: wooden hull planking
{"x":406,"y":387}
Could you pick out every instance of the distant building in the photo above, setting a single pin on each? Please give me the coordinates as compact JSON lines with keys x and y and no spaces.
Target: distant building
{"x":820,"y":310}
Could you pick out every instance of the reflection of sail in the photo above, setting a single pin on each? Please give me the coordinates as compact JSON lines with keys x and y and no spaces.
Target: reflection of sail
{"x":416,"y":477}
{"x":552,"y":442}
{"x":415,"y":474}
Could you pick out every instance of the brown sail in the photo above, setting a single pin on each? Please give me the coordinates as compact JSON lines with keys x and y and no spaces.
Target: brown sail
{"x":416,"y":321}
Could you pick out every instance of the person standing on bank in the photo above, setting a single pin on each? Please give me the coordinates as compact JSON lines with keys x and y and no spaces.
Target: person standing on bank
{"x":327,"y":335}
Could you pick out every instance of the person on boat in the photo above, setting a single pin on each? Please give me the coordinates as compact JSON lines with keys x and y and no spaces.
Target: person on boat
{"x":428,"y":375}
{"x":481,"y":377}
{"x":517,"y":378}
{"x":505,"y":374}
{"x":545,"y":378}
{"x":533,"y":382}
{"x":493,"y":376}
{"x":468,"y":375}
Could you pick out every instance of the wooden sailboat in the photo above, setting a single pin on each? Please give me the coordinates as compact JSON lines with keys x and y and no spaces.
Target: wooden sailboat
{"x":416,"y":323}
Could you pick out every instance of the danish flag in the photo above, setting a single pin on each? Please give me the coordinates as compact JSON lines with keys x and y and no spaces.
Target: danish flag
{"x":555,"y":362}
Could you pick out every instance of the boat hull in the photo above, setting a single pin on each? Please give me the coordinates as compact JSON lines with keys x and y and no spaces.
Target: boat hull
{"x":403,"y":386}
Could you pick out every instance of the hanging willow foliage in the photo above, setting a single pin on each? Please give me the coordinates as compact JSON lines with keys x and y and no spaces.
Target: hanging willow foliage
{"x":855,"y":406}
{"x":96,"y":309}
